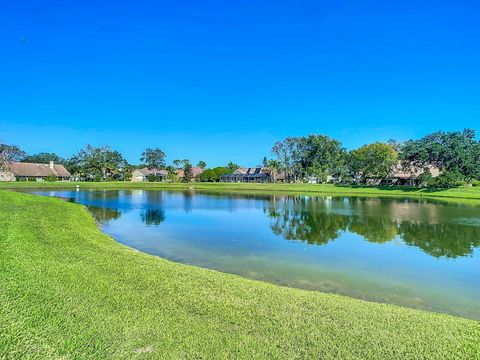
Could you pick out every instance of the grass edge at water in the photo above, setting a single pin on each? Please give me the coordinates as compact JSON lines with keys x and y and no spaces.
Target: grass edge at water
{"x":69,"y":290}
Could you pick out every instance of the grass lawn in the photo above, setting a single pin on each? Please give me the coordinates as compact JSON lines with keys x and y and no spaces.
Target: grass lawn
{"x":69,"y":291}
{"x":466,"y":193}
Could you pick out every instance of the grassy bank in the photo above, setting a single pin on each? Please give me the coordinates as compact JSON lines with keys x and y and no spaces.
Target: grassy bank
{"x":67,"y":290}
{"x":468,"y":193}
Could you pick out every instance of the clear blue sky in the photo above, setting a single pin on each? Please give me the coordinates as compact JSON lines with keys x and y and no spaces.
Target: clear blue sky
{"x":222,"y":80}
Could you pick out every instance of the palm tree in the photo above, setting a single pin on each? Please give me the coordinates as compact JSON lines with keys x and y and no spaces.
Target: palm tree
{"x":274,"y":166}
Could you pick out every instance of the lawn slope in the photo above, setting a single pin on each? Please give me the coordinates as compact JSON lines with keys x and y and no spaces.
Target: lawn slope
{"x":67,"y":290}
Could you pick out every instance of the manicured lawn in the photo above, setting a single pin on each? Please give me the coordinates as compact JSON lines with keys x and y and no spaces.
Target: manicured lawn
{"x":472,"y":193}
{"x":69,"y":291}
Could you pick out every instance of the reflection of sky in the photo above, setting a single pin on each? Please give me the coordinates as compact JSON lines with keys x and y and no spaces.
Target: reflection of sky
{"x":234,"y":234}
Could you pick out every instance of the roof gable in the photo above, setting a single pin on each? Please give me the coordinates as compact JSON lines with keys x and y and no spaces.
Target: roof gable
{"x":38,"y":170}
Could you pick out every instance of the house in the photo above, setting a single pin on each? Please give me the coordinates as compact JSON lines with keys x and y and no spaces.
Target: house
{"x":408,"y":175}
{"x":142,"y":175}
{"x":405,"y":174}
{"x":18,"y":171}
{"x":252,"y":174}
{"x":195,"y":171}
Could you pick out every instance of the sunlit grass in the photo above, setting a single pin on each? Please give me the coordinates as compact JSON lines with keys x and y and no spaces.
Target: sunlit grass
{"x":69,"y":291}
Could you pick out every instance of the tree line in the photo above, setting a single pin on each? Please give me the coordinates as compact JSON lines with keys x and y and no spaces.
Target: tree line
{"x":106,"y":164}
{"x":456,"y":154}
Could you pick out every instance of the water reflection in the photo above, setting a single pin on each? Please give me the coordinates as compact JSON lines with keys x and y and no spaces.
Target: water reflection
{"x":439,"y":229}
{"x":320,"y":220}
{"x":152,"y":217}
{"x":104,"y":215}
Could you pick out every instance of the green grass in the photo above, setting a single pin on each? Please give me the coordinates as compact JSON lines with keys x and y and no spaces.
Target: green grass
{"x":466,"y":193}
{"x":69,"y":291}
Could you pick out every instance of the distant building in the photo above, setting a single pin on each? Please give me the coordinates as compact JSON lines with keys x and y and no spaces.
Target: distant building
{"x":403,"y":174}
{"x":141,"y":175}
{"x":409,"y":175}
{"x":252,"y":174}
{"x":195,"y":171}
{"x":19,"y":171}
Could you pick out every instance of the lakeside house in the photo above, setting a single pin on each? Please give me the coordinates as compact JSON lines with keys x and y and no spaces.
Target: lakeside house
{"x":196,"y":170}
{"x":252,"y":174}
{"x":405,"y":174}
{"x":142,"y":175}
{"x":408,"y":175}
{"x":19,"y":171}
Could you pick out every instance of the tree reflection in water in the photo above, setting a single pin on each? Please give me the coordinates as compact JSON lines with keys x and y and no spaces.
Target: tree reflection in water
{"x":306,"y":219}
{"x":318,"y":220}
{"x":153,"y":217}
{"x":104,"y":215}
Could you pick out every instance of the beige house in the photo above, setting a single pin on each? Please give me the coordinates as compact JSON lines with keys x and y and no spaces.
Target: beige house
{"x":402,"y":175}
{"x":18,"y":171}
{"x":141,"y":175}
{"x":195,"y":171}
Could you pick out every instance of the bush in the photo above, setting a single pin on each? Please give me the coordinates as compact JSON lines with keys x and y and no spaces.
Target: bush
{"x":51,"y":178}
{"x":425,"y":178}
{"x":208,"y":176}
{"x":447,"y":180}
{"x":475,"y":182}
{"x":154,"y":178}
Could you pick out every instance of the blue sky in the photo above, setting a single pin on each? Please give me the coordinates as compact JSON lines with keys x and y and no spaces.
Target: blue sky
{"x":222,"y":80}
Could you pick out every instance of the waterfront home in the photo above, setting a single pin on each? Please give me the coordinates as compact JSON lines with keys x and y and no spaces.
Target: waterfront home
{"x":20,"y":171}
{"x":408,"y":174}
{"x":251,"y":174}
{"x":195,"y":172}
{"x":144,"y":174}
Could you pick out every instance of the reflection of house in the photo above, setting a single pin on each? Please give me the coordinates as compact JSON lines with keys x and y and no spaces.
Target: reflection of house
{"x":141,"y":175}
{"x":34,"y":172}
{"x":254,"y":174}
{"x":195,"y":172}
{"x":408,"y":175}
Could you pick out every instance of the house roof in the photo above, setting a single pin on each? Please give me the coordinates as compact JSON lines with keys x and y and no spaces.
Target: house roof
{"x":145,"y":171}
{"x":38,"y":170}
{"x":251,"y":171}
{"x":195,"y":171}
{"x":411,"y":172}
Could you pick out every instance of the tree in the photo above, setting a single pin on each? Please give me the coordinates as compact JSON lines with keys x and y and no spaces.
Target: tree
{"x":323,"y":157}
{"x":274,"y":166}
{"x":187,"y":172}
{"x":172,"y":173}
{"x":10,"y":153}
{"x":288,"y":153}
{"x":153,"y":158}
{"x":212,"y":175}
{"x":43,"y":158}
{"x":373,"y":161}
{"x":202,"y":164}
{"x":221,"y":170}
{"x":395,"y":144}
{"x":99,"y":164}
{"x":177,"y":163}
{"x":208,"y":175}
{"x":232,"y":166}
{"x":456,"y":152}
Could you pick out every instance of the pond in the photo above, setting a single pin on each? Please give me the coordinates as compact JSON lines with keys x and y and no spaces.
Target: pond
{"x":412,"y":252}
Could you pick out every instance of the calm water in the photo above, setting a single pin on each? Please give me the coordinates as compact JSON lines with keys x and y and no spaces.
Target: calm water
{"x":418,"y":253}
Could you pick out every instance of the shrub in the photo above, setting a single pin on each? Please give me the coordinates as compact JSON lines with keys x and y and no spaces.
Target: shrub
{"x":447,"y":180}
{"x":154,"y":178}
{"x":51,"y":178}
{"x":475,"y":182}
{"x":208,"y":176}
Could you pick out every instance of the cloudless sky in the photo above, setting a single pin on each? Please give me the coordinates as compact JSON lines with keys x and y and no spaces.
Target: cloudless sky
{"x":222,"y":80}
